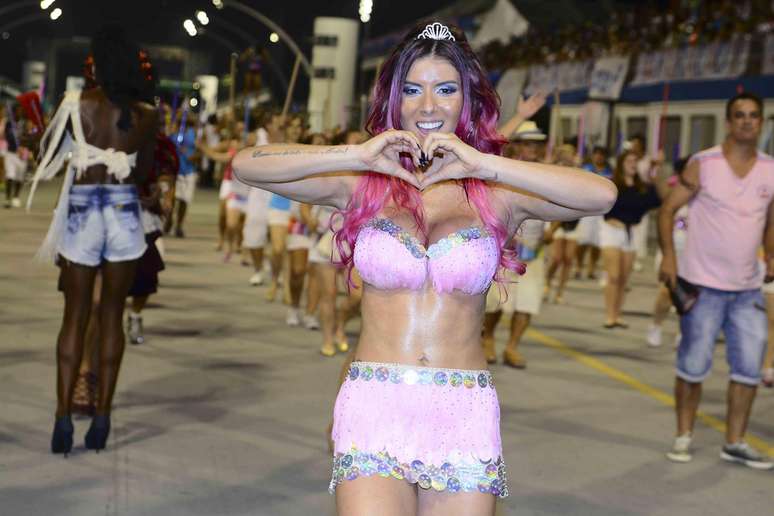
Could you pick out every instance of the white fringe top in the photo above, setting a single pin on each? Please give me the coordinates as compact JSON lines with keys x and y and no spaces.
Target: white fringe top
{"x":82,"y":155}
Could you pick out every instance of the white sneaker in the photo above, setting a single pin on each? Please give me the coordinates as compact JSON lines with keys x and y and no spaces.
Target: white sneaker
{"x":681,"y":449}
{"x":293,"y":318}
{"x":654,"y":336}
{"x":256,"y":279}
{"x":742,"y":453}
{"x":311,"y":322}
{"x":16,"y":202}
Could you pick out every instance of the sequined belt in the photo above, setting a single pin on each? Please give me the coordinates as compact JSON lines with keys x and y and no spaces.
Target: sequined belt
{"x":413,"y":375}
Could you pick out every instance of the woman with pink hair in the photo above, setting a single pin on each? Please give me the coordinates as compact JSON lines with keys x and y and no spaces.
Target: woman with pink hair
{"x":426,"y":206}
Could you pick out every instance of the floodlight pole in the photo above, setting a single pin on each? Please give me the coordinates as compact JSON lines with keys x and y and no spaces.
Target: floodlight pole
{"x":239,"y":6}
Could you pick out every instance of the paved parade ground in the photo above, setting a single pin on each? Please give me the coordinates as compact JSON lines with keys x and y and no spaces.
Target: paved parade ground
{"x":223,"y":411}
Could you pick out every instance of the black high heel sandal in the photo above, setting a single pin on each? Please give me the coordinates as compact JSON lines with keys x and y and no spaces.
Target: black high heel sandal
{"x":62,"y":438}
{"x":96,"y":437}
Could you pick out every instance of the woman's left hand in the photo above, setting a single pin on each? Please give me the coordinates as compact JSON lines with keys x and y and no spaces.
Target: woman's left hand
{"x":459,"y":160}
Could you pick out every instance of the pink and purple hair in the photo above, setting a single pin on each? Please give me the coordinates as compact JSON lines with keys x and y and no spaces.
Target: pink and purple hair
{"x":477,"y":126}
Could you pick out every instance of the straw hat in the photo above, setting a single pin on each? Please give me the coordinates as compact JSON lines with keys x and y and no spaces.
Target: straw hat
{"x":529,"y":131}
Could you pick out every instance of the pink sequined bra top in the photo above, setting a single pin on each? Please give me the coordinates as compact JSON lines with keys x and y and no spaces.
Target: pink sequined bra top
{"x":388,"y":257}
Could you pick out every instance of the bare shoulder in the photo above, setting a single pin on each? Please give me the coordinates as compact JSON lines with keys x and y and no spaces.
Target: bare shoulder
{"x":91,"y":100}
{"x":92,"y":95}
{"x":147,"y":115}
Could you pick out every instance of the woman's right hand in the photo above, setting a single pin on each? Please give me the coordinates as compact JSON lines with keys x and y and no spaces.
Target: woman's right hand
{"x":382,"y":154}
{"x":525,"y":109}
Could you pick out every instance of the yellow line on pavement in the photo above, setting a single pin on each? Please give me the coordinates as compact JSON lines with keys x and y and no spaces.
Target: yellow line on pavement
{"x":652,"y":392}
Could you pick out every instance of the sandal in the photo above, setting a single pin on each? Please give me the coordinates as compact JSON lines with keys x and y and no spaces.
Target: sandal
{"x":514,"y":359}
{"x":490,"y":352}
{"x":85,"y":394}
{"x":271,"y":292}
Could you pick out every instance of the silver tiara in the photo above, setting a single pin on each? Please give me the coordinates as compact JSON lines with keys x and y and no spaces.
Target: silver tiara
{"x":436,"y":30}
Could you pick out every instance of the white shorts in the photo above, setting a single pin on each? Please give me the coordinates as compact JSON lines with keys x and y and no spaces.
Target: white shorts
{"x":185,"y":186}
{"x":611,"y":236}
{"x":225,"y":189}
{"x":238,"y":196}
{"x":279,"y":217}
{"x":15,"y":167}
{"x":588,"y":230}
{"x":296,"y":242}
{"x":524,"y":293}
{"x":236,"y":202}
{"x":322,"y":250}
{"x":567,"y":235}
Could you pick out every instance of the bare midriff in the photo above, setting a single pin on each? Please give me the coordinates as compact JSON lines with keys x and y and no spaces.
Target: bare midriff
{"x":422,"y":328}
{"x":616,"y":223}
{"x":97,"y":175}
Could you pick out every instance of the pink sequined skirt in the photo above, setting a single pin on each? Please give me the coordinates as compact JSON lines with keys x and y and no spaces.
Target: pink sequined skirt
{"x":437,"y":428}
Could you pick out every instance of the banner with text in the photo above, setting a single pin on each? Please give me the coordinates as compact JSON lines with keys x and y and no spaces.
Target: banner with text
{"x":571,"y":75}
{"x":509,"y":87}
{"x":716,"y":60}
{"x":608,"y":77}
{"x":767,"y":67}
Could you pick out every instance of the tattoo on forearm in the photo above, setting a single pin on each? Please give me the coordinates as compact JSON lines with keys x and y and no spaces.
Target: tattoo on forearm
{"x":301,"y":152}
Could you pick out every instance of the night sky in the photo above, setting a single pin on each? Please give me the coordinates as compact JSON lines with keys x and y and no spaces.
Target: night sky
{"x":159,"y":22}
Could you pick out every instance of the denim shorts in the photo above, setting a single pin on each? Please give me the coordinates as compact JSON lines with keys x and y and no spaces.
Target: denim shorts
{"x":103,"y":223}
{"x":742,"y":317}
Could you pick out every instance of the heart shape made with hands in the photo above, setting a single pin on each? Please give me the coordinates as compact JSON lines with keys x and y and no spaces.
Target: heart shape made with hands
{"x":423,"y":166}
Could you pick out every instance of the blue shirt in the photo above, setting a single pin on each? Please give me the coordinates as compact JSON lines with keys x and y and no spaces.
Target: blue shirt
{"x":606,"y":172}
{"x":185,"y":151}
{"x":278,"y":202}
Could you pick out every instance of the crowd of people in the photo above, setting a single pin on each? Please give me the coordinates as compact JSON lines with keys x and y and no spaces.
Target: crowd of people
{"x":433,"y":221}
{"x":641,"y":28}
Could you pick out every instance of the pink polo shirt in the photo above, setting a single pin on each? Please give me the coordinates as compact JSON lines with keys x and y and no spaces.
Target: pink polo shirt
{"x":726,"y":223}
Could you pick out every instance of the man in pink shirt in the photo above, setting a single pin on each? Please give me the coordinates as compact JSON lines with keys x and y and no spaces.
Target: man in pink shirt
{"x":729,"y":189}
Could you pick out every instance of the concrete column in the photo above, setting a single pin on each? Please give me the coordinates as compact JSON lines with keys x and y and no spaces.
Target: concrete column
{"x":331,"y":88}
